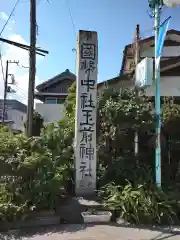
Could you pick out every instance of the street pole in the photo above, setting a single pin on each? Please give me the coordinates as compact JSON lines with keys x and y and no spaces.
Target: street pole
{"x":5,"y":92}
{"x":32,"y":68}
{"x":157,"y":97}
{"x":137,"y":59}
{"x":156,"y":5}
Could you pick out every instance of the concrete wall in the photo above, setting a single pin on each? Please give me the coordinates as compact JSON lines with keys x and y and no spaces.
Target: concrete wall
{"x":50,"y":112}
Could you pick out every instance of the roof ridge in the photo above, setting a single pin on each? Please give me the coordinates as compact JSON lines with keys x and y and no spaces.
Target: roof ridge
{"x":66,"y":73}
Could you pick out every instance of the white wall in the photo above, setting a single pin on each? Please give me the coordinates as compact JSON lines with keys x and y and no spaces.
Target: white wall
{"x":50,"y":112}
{"x":170,"y":86}
{"x":18,"y":118}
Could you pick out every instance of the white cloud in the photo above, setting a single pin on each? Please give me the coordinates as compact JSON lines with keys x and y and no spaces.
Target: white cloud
{"x":13,"y":21}
{"x":3,"y":16}
{"x":21,"y":74}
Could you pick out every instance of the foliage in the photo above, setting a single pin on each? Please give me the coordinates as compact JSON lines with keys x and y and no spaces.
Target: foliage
{"x":3,"y":129}
{"x":119,"y":115}
{"x":140,"y":204}
{"x":70,"y":102}
{"x":126,"y":168}
{"x":37,"y":171}
{"x":171,"y":116}
{"x":37,"y":124}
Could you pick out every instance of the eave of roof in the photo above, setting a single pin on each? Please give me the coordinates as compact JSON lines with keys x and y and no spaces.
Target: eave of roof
{"x":121,"y":77}
{"x":64,"y":75}
{"x":169,"y":63}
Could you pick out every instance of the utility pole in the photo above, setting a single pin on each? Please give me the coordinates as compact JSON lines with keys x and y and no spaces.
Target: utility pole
{"x":137,"y":47}
{"x":5,"y":88}
{"x":5,"y":92}
{"x":157,"y":96}
{"x":137,"y":60}
{"x":156,"y":6}
{"x":32,"y":67}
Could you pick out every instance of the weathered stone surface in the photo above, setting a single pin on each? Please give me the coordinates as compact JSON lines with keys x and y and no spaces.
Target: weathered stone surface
{"x":85,"y":121}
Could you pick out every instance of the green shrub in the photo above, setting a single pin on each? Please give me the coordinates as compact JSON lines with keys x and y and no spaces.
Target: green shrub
{"x":140,"y":204}
{"x":33,"y":171}
{"x":125,"y":168}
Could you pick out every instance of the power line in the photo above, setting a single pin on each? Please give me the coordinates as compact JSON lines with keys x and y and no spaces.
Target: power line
{"x":2,"y":69}
{"x":70,"y":14}
{"x":19,"y":95}
{"x":23,"y":92}
{"x":19,"y":92}
{"x":9,"y":16}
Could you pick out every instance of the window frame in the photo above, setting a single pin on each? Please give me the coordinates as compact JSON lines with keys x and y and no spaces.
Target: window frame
{"x":50,"y":98}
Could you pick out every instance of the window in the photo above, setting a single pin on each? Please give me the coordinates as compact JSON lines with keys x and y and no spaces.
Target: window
{"x":51,"y":100}
{"x":60,"y":101}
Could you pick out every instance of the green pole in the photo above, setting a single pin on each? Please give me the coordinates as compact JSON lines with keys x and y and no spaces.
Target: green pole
{"x":157,"y":96}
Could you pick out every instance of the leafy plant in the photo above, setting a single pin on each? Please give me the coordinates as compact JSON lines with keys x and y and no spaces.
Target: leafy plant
{"x":37,"y":124}
{"x":120,"y":114}
{"x":140,"y":204}
{"x":126,"y":168}
{"x":36,"y":172}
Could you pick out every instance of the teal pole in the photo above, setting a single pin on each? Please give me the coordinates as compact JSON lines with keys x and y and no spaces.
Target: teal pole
{"x":157,"y":97}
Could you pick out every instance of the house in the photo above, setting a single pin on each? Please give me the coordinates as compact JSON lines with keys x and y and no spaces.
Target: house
{"x":15,"y":114}
{"x":54,"y":91}
{"x":169,"y":65}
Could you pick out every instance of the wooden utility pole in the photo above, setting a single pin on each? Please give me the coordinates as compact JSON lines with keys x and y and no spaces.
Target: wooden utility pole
{"x":32,"y":67}
{"x":5,"y":92}
{"x":137,"y":48}
{"x":39,"y":51}
{"x":137,"y":60}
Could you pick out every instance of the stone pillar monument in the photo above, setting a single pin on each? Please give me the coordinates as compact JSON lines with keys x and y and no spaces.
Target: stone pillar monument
{"x":85,"y":124}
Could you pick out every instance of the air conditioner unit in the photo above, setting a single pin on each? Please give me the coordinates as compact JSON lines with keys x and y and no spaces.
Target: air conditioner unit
{"x":144,"y":73}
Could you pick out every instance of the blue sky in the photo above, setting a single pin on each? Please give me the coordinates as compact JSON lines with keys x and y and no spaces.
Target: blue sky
{"x":114,"y":20}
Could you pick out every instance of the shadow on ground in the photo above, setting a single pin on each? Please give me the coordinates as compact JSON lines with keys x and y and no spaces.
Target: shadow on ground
{"x":72,"y":228}
{"x":30,"y":232}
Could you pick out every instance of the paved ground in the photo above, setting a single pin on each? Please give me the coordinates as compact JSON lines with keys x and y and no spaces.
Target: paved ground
{"x":93,"y":232}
